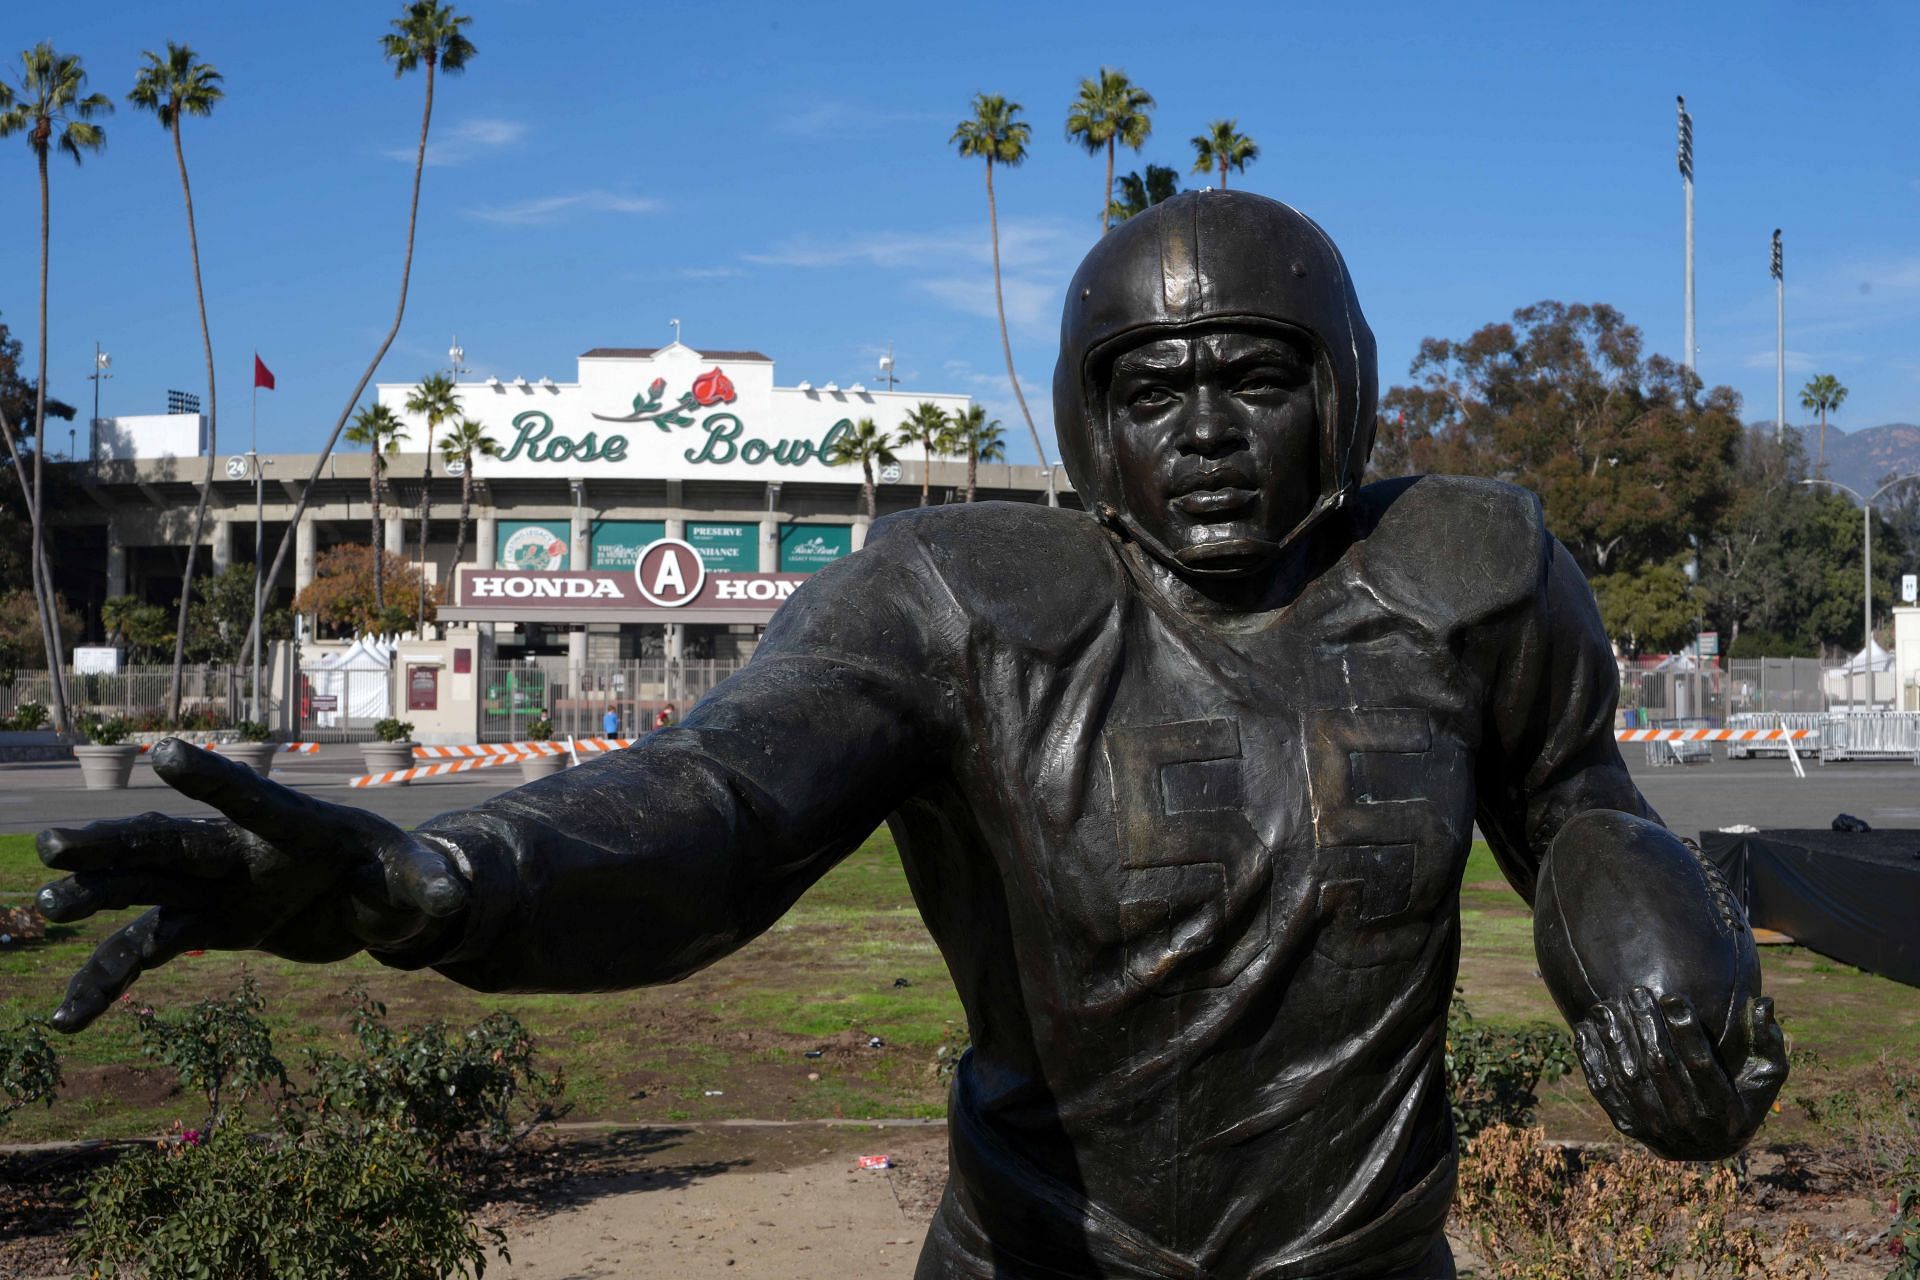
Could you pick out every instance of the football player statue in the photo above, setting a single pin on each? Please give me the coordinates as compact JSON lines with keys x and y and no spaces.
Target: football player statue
{"x":1184,"y":786}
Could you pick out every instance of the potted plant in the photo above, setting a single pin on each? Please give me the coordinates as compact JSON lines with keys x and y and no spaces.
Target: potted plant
{"x":394,"y":750}
{"x":106,"y":757}
{"x":537,"y":765}
{"x":255,"y":749}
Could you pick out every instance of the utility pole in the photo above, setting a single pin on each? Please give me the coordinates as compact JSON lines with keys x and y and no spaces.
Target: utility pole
{"x":102,"y":363}
{"x":1779,"y":340}
{"x":1686,"y":177}
{"x":886,"y":369}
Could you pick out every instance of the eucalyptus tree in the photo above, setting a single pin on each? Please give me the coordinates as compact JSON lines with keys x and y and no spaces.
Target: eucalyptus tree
{"x":994,"y":134}
{"x":1223,"y":147}
{"x":865,"y":444}
{"x":431,"y":35}
{"x":927,"y":426}
{"x":1110,"y":110}
{"x":1823,"y":394}
{"x":51,"y":106}
{"x":381,"y":430}
{"x":434,"y":399}
{"x":980,"y":439}
{"x":178,"y":85}
{"x":464,"y":440}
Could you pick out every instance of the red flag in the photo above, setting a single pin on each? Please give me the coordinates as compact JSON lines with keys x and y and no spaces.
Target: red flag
{"x":262,"y":376}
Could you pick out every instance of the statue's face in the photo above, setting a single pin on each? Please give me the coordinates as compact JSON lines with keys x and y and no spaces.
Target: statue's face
{"x":1217,"y":438}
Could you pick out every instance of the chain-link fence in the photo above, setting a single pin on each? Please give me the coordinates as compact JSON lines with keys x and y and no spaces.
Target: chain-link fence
{"x":513,"y":694}
{"x":1653,"y":697}
{"x":211,"y":695}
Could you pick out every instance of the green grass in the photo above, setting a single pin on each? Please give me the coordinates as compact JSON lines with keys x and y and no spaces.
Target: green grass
{"x":823,"y":978}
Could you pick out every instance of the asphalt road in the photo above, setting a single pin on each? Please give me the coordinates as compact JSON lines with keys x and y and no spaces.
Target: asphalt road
{"x":1763,"y":793}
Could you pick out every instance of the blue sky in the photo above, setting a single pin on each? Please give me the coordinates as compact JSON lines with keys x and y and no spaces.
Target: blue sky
{"x":778,"y":176}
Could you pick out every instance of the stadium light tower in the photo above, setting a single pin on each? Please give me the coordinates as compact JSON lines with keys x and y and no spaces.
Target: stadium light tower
{"x":1779,"y":340}
{"x":1686,"y":181}
{"x":1866,"y":560}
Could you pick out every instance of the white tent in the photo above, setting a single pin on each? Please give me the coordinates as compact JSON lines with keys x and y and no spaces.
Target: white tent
{"x":358,"y":679}
{"x":1871,"y":658}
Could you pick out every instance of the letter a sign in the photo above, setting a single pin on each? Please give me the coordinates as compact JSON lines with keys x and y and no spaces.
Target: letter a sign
{"x":669,"y":573}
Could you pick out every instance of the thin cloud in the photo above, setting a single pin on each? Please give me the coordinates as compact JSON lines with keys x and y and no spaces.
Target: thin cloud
{"x":710,"y":273}
{"x":1797,"y":361}
{"x":1022,"y":243}
{"x":840,"y":119}
{"x":459,"y":143}
{"x":1031,"y":303}
{"x":552,"y":208}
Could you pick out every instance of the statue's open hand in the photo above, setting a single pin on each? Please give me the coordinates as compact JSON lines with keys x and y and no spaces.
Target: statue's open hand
{"x":285,"y":873}
{"x":1651,"y":1065}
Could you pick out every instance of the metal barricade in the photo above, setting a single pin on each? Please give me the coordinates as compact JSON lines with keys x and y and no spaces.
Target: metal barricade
{"x":1810,"y":721}
{"x":1661,"y":753}
{"x":1875,"y":735}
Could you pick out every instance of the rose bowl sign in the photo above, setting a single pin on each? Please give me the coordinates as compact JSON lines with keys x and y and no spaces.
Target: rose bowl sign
{"x":668,"y":583}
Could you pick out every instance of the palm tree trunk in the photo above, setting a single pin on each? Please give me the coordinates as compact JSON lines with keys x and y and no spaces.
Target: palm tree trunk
{"x":42,"y":572}
{"x":1223,"y":173}
{"x":1821,"y":470}
{"x":320,"y":463}
{"x":866,"y":485}
{"x":1106,"y":198}
{"x":973,"y":467}
{"x":1000,"y":305}
{"x":213,"y":407}
{"x":426,"y":505}
{"x":378,"y":538}
{"x":466,"y":508}
{"x":926,"y":465}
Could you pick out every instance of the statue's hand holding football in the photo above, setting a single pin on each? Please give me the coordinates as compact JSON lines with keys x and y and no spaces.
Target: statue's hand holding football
{"x":283,"y":873}
{"x":1652,"y":1065}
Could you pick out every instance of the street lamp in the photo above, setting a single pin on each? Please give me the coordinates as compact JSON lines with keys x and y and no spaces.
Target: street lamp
{"x":456,"y":360}
{"x":102,"y":363}
{"x":1866,"y":561}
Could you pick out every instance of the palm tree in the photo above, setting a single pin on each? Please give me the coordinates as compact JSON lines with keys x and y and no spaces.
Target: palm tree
{"x":1134,"y":195}
{"x":1223,"y":147}
{"x":927,"y":426}
{"x":428,"y":34}
{"x":1109,"y":110}
{"x":462,"y":441}
{"x":982,"y":441}
{"x":381,"y":430}
{"x":994,"y":135}
{"x":181,"y":84}
{"x":52,"y":107}
{"x":1823,"y":394}
{"x":434,"y":399}
{"x":866,"y":444}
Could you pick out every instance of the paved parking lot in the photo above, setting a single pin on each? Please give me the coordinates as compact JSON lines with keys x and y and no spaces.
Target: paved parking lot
{"x":1761,"y":792}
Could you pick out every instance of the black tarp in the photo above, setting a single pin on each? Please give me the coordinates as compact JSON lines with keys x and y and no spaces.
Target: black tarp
{"x":1852,"y":896}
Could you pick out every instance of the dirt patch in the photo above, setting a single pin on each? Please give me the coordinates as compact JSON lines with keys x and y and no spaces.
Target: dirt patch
{"x":121,"y":1084}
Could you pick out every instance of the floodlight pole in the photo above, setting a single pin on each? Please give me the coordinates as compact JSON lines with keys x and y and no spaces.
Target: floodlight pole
{"x":1866,"y":563}
{"x":1779,"y":340}
{"x":1686,"y":176}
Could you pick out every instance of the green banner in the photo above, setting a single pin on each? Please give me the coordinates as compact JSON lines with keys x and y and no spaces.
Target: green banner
{"x":806,"y":547}
{"x":533,"y":544}
{"x":726,"y":548}
{"x":617,"y":543}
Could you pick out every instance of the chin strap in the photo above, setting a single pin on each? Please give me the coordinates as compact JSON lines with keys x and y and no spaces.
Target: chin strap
{"x":1123,"y":524}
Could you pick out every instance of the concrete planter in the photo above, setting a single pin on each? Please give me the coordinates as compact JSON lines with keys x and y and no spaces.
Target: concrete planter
{"x":380,"y":757}
{"x":106,"y":768}
{"x":534,"y":768}
{"x":257,"y":756}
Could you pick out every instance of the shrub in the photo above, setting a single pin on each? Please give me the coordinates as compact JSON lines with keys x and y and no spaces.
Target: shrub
{"x":253,"y":731}
{"x":29,"y":1067}
{"x":1904,"y":1234}
{"x":540,"y":730}
{"x":392,"y":730}
{"x":327,"y":1205}
{"x":28,"y":715}
{"x":220,"y":1047}
{"x":1492,"y":1072}
{"x":1874,"y":1126}
{"x":1538,"y":1212}
{"x":108,"y":732}
{"x":431,"y":1085}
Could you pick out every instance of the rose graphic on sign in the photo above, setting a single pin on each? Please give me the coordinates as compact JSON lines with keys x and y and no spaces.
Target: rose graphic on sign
{"x":533,"y":547}
{"x":710,"y":388}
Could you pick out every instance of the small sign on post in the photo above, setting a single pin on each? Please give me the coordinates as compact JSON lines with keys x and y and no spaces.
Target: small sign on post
{"x":1709,"y":644}
{"x":1910,"y":588}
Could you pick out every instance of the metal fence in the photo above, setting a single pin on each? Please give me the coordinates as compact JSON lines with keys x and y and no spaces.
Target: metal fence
{"x":1744,"y":687}
{"x":515,"y":694}
{"x":340,"y":706}
{"x":1872,"y":735}
{"x":215,"y":693}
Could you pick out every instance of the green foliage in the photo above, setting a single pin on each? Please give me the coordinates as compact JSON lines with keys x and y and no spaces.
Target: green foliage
{"x":430,"y":1085}
{"x":110,"y":731}
{"x":392,"y":730}
{"x":1134,"y":194}
{"x":29,"y":1067}
{"x":1904,"y":1234}
{"x":540,"y":730}
{"x":253,"y":731}
{"x":146,"y":629}
{"x":222,"y":614}
{"x":28,"y":715}
{"x":327,"y":1205}
{"x":1223,"y":147}
{"x":993,"y":133}
{"x":220,"y":1047}
{"x":1492,"y":1072}
{"x":1649,"y":611}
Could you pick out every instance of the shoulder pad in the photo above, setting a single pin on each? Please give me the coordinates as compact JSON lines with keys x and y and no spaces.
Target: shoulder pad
{"x":1459,"y":546}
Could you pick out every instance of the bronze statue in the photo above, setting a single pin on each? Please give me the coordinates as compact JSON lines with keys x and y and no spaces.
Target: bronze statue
{"x":1184,"y":787}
